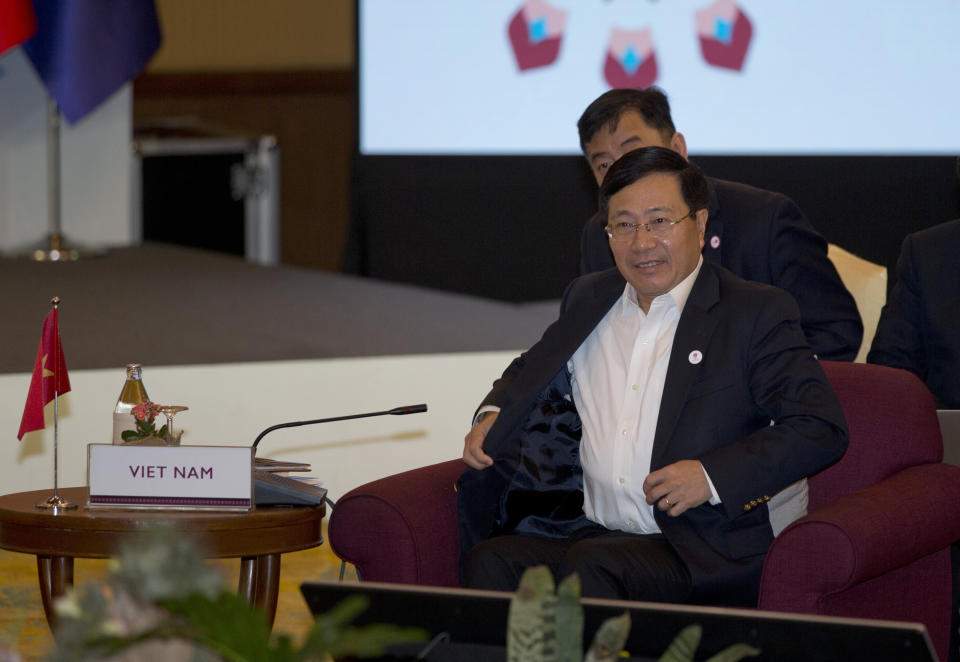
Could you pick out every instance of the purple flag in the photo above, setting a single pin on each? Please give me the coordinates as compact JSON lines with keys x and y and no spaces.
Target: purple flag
{"x":85,"y":50}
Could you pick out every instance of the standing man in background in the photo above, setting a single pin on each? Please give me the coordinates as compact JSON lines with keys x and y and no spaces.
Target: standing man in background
{"x":758,"y":235}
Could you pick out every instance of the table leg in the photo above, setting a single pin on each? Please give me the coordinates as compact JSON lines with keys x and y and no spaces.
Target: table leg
{"x":260,"y":583}
{"x":56,"y":576}
{"x":268,"y":585}
{"x":248,"y":579}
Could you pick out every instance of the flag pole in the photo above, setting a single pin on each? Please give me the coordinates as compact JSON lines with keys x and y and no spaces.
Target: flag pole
{"x":56,"y":248}
{"x":56,"y":501}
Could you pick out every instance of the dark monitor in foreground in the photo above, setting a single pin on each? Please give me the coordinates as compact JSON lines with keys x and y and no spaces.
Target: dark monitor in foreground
{"x":476,"y":621}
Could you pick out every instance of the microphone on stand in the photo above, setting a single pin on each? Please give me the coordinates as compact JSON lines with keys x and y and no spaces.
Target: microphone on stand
{"x":396,"y":411}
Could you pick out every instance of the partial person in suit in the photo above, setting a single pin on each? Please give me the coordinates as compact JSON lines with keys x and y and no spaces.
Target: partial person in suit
{"x":758,"y":235}
{"x":919,"y":331}
{"x":919,"y":327}
{"x":658,"y":436}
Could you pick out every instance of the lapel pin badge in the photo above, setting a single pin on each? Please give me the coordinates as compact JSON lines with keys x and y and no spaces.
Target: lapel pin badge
{"x":695,"y":357}
{"x":714,"y":242}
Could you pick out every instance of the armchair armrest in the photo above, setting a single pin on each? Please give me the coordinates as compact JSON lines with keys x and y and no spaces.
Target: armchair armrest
{"x":862,"y":535}
{"x":402,"y":528}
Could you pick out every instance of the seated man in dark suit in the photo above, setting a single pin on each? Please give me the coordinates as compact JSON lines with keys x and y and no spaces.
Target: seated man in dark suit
{"x":658,"y":436}
{"x":758,"y":235}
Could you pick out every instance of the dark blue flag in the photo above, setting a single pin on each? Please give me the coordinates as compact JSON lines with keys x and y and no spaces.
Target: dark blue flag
{"x":85,"y":50}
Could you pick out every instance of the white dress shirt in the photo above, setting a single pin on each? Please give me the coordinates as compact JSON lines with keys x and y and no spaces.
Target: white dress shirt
{"x":617,"y":376}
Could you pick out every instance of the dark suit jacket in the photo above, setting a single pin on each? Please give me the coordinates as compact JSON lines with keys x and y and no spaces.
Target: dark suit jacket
{"x":763,"y":236}
{"x":755,"y":367}
{"x":919,"y":328}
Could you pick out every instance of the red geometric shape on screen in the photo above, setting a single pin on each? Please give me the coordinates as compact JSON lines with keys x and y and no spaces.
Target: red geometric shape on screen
{"x":617,"y":77}
{"x":543,"y":49}
{"x":730,"y":50}
{"x":631,"y":60}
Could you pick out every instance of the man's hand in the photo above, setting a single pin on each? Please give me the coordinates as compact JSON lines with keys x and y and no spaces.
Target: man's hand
{"x":677,"y":487}
{"x":473,"y":453}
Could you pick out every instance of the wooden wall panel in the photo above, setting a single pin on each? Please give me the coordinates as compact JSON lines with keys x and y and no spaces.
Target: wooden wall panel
{"x":253,"y":35}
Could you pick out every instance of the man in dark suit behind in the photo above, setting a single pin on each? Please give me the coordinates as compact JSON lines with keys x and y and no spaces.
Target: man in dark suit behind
{"x":658,"y":436}
{"x":758,"y":235}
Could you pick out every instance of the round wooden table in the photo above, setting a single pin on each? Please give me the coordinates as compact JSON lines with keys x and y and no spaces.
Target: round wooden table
{"x":257,"y":537}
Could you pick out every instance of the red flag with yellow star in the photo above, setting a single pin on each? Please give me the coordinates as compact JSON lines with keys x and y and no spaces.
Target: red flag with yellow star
{"x":17,"y":22}
{"x":49,"y":376}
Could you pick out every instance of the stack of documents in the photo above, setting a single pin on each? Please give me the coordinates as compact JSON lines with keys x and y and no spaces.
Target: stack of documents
{"x":273,"y":486}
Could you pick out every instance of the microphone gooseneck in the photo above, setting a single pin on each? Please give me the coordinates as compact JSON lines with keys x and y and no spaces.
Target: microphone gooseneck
{"x":396,"y":411}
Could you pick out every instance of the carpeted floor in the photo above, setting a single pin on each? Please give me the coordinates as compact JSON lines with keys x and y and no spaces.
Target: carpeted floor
{"x":229,"y":311}
{"x":24,"y":630}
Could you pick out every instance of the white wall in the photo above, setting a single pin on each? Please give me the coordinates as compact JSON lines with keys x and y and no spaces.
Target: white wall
{"x":95,"y":165}
{"x":230,"y":404}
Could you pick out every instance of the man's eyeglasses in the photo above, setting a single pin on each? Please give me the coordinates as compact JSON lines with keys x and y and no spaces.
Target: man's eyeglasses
{"x":659,"y":227}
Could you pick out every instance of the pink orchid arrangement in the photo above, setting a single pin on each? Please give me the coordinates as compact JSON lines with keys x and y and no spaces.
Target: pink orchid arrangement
{"x":144,"y":415}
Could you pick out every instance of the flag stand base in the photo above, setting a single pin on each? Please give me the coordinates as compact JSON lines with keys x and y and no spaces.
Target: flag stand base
{"x":58,"y":249}
{"x":55,"y":502}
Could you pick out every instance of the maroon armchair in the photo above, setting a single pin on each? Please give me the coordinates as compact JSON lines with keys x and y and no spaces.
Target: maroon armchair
{"x":875,"y":544}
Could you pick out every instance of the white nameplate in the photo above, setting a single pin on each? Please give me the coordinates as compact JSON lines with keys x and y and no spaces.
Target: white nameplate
{"x":170,"y":477}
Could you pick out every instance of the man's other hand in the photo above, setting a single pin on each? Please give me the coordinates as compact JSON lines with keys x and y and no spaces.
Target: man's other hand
{"x":473,"y":453}
{"x":677,"y":487}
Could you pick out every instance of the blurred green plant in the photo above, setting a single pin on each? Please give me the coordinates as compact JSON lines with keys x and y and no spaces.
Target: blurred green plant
{"x":160,"y":601}
{"x":544,"y":625}
{"x":685,"y":645}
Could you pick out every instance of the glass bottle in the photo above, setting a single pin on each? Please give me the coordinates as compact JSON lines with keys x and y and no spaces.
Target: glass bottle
{"x":133,"y":393}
